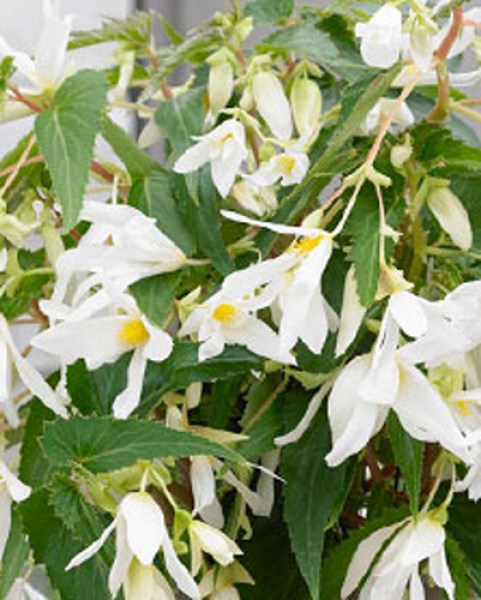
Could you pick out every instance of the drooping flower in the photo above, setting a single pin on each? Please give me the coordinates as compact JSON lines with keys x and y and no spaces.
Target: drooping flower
{"x":121,"y":247}
{"x":46,"y":71}
{"x":381,"y":37}
{"x":272,"y":104}
{"x":410,"y":543}
{"x":103,"y":339}
{"x":259,"y":200}
{"x":204,"y":538}
{"x":402,"y":119}
{"x":140,"y":533}
{"x":224,"y":148}
{"x":372,"y":384}
{"x":223,"y":319}
{"x":11,"y":489}
{"x":289,"y":168}
{"x":206,"y":503}
{"x":146,"y":582}
{"x":290,"y":284}
{"x":11,"y":360}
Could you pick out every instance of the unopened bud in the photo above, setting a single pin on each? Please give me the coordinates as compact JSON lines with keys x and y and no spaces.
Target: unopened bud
{"x":452,"y":216}
{"x":306,"y":104}
{"x":401,"y":153}
{"x":221,"y":80}
{"x":272,"y":104}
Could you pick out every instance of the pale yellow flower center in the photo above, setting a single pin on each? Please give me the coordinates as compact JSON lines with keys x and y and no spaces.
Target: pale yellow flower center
{"x":134,"y":333}
{"x":225,"y":138}
{"x":463,"y":407}
{"x":225,"y":313}
{"x":286,"y":164}
{"x":305,"y":245}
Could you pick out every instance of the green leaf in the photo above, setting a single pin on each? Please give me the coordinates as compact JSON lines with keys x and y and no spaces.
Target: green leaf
{"x":408,"y":454}
{"x":102,"y":444}
{"x":137,"y":162}
{"x":310,"y":494}
{"x":363,"y":96}
{"x":66,"y":135}
{"x":134,"y":31}
{"x":55,"y":541}
{"x":265,"y":12}
{"x":363,"y":223}
{"x":34,"y":467}
{"x":155,"y":295}
{"x":268,"y":558}
{"x":153,"y":196}
{"x":15,"y":555}
{"x":464,"y":525}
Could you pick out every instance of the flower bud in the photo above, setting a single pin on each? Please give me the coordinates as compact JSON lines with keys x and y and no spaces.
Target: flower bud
{"x":272,"y":104}
{"x":452,"y":216}
{"x":13,"y":229}
{"x":306,"y":104}
{"x":401,"y":153}
{"x":52,"y":241}
{"x":221,"y":80}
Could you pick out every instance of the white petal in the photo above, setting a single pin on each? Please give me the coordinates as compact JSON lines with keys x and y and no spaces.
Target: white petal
{"x":160,"y":344}
{"x":272,"y":104}
{"x":88,"y":552}
{"x":33,"y":594}
{"x":192,"y":159}
{"x":145,"y":525}
{"x":211,"y":347}
{"x":123,"y":559}
{"x":184,"y":580}
{"x":408,"y":313}
{"x":363,"y":557}
{"x":439,"y":571}
{"x":139,"y":583}
{"x":425,"y":416}
{"x":5,"y":519}
{"x":17,"y":490}
{"x":416,"y":587}
{"x":452,"y":216}
{"x":277,"y":227}
{"x":204,"y":491}
{"x":52,"y":47}
{"x":304,"y":423}
{"x":215,"y":543}
{"x":352,"y":314}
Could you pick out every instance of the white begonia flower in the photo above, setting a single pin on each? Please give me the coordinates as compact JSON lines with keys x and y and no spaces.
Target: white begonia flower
{"x":100,"y":340}
{"x":219,"y":584}
{"x":224,"y":148}
{"x":452,"y":216}
{"x":272,"y":104}
{"x":381,"y":37}
{"x":259,"y":200}
{"x":11,"y":489}
{"x":225,"y":320}
{"x":121,"y":247}
{"x":414,"y":541}
{"x":372,"y":384}
{"x":204,"y":538}
{"x":146,"y":582}
{"x":403,"y":117}
{"x":46,"y":71}
{"x":291,"y":284}
{"x":421,"y":41}
{"x":206,"y":503}
{"x":140,"y":533}
{"x":289,"y":168}
{"x":352,"y":314}
{"x":11,"y":360}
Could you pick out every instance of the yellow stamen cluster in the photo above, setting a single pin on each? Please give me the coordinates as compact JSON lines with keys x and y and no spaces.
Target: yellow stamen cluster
{"x":286,"y":164}
{"x":463,"y":407}
{"x":305,"y":245}
{"x":225,"y":313}
{"x":134,"y":333}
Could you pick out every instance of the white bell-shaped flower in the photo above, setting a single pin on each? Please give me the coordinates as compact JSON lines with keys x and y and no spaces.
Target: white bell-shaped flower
{"x":272,"y":104}
{"x":381,"y":37}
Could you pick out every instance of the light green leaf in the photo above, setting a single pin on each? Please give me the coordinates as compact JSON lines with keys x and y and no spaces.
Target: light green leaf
{"x":265,"y":12}
{"x":310,"y":494}
{"x":137,"y":162}
{"x":155,"y":295}
{"x":15,"y":555}
{"x":102,"y":444}
{"x":66,"y":135}
{"x":408,"y":454}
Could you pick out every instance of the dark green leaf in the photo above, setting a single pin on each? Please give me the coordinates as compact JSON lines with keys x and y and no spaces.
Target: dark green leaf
{"x":15,"y":555}
{"x":102,"y":444}
{"x":55,"y":542}
{"x":155,"y":295}
{"x":408,"y":454}
{"x":66,"y":135}
{"x":137,"y":163}
{"x":310,"y":494}
{"x":265,"y":12}
{"x":364,"y":226}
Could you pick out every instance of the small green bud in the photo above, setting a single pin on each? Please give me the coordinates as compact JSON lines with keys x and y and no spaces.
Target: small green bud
{"x":306,"y":105}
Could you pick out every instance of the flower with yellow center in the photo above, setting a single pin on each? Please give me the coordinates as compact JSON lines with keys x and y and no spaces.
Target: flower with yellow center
{"x":100,"y":340}
{"x":289,"y":168}
{"x":225,"y":313}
